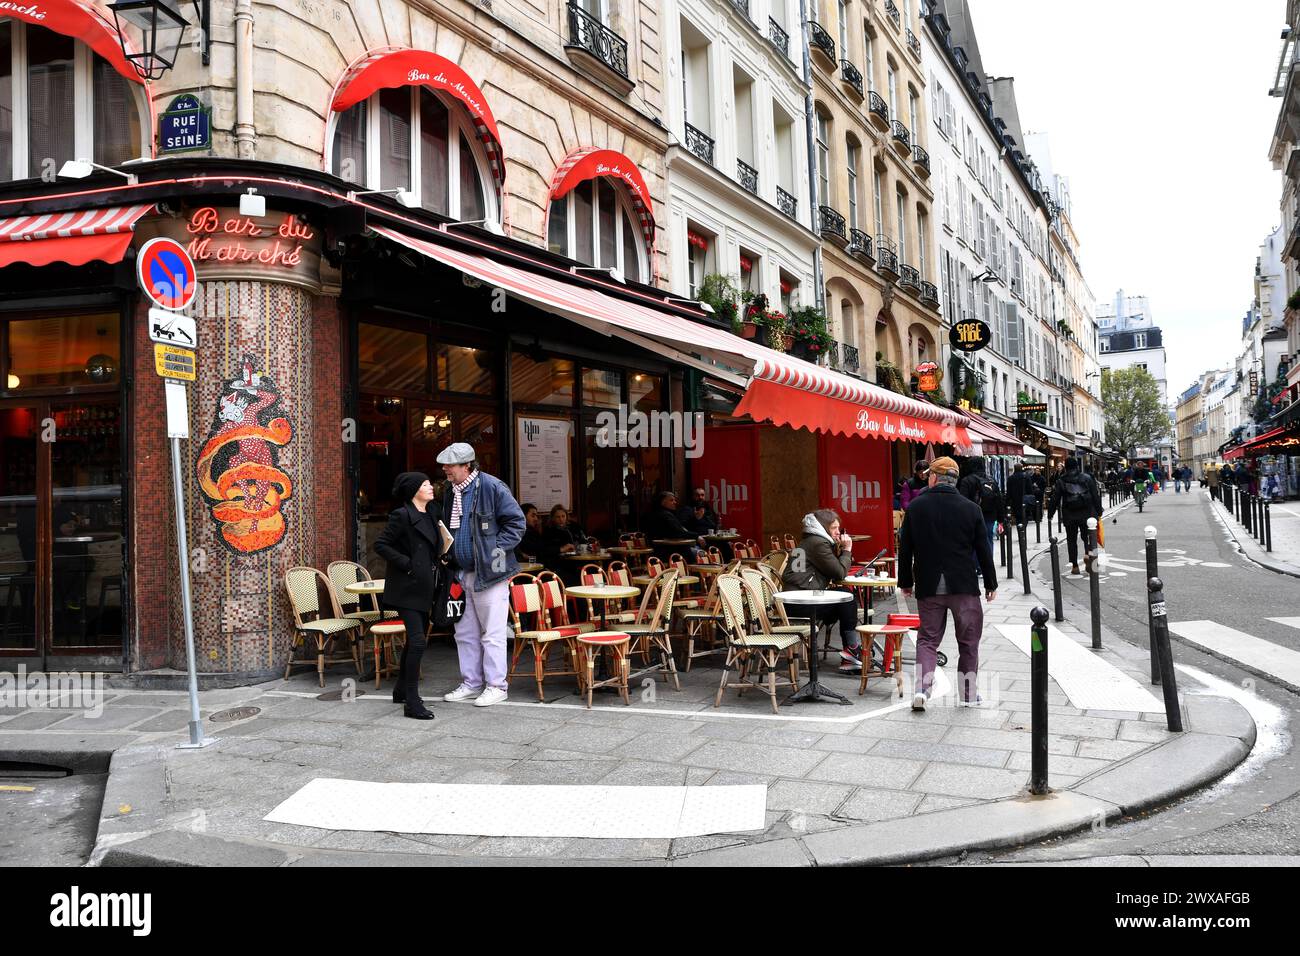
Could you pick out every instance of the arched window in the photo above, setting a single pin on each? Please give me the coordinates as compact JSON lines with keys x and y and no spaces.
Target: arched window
{"x":60,"y":100}
{"x":411,"y":138}
{"x":595,"y":223}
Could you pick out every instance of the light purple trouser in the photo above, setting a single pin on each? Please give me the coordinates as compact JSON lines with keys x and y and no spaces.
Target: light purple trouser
{"x":968,"y":621}
{"x":481,"y":633}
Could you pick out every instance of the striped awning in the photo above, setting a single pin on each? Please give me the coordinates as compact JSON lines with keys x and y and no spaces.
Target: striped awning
{"x":74,"y":237}
{"x":588,"y":162}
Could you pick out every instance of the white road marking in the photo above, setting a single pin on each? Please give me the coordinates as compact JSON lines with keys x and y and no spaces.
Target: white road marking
{"x":1089,"y":681}
{"x":1241,"y":647}
{"x":1288,"y":621}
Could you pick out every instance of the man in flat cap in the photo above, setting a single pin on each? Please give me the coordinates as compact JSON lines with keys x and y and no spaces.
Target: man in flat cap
{"x":487,"y":525}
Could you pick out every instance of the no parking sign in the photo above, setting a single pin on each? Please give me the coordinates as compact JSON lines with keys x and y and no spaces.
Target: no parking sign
{"x":166,"y":273}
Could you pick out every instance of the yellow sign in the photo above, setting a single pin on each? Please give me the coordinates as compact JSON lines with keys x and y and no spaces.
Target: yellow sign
{"x":172,"y":362}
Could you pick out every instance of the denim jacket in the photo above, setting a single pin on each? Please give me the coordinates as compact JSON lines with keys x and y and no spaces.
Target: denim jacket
{"x":496,"y":528}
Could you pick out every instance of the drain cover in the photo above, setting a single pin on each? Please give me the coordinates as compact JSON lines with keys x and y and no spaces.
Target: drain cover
{"x":235,"y":713}
{"x":338,"y":694}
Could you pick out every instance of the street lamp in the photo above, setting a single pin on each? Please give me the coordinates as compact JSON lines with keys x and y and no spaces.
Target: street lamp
{"x":161,"y":29}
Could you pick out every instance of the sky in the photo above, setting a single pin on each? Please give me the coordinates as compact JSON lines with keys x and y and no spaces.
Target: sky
{"x":1159,"y":116}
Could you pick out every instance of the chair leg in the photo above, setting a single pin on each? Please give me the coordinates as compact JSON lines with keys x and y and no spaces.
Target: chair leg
{"x":377,"y":667}
{"x":591,"y":674}
{"x":320,"y":665}
{"x":670,"y":666}
{"x":625,"y":670}
{"x":726,"y":670}
{"x":771,"y":683}
{"x":539,"y":668}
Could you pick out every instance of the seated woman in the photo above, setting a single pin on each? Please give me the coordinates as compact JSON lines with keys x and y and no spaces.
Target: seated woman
{"x":562,"y":537}
{"x":533,"y":544}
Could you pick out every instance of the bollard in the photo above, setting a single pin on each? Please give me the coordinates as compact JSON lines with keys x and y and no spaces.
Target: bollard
{"x":1024,"y":555}
{"x":1160,"y":624}
{"x":1249,"y":511}
{"x":1002,"y":547}
{"x":1056,"y":578}
{"x":1011,"y":550}
{"x":1259,"y":519}
{"x":1038,"y":526}
{"x":1038,"y":701}
{"x":1094,"y":585}
{"x":1153,"y":569}
{"x":1268,"y":526}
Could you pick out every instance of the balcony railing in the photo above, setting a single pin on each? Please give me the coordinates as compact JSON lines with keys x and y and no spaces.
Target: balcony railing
{"x":747,"y":176}
{"x":929,"y":292}
{"x":787,"y":203}
{"x":821,"y":40}
{"x":852,"y":76}
{"x":831,"y":224}
{"x":878,"y":108}
{"x":913,"y":43}
{"x":908,"y":277}
{"x":849,"y":358}
{"x":860,"y":243}
{"x":891,"y":11}
{"x":831,"y":356}
{"x":699,"y":143}
{"x":886,"y":255}
{"x":600,"y":41}
{"x":900,"y":133}
{"x":779,"y":38}
{"x":921,"y":158}
{"x":742,"y":6}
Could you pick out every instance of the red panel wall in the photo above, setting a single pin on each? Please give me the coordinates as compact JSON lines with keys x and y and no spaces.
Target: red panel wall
{"x":857,"y":480}
{"x":728,"y":472}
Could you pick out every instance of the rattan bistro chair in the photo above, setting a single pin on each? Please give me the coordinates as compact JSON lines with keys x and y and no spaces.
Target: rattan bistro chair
{"x":533,"y":633}
{"x":359,"y":607}
{"x":652,"y":634}
{"x":310,"y":621}
{"x":750,"y":642}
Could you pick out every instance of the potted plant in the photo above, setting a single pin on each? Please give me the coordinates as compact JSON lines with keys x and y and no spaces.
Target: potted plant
{"x":808,"y":328}
{"x":776,"y":329}
{"x":753,"y":313}
{"x":888,"y":375}
{"x":1293,"y":301}
{"x":722,"y":295}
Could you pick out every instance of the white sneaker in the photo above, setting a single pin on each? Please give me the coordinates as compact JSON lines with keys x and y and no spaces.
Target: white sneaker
{"x":462,"y":693}
{"x":918,"y":702}
{"x":490,"y":696}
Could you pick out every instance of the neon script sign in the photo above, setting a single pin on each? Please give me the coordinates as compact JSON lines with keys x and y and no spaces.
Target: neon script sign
{"x":240,"y":239}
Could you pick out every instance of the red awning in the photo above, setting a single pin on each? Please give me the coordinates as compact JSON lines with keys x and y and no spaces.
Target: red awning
{"x":387,"y":68}
{"x":73,"y":237}
{"x":992,"y":440}
{"x":80,"y":19}
{"x":1257,"y":445}
{"x":782,"y":389}
{"x":590,"y":162}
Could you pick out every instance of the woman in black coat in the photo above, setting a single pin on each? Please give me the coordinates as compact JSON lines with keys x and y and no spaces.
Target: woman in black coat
{"x":412,"y":546}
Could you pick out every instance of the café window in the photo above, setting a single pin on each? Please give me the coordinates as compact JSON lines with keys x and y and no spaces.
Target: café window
{"x":60,"y":352}
{"x":545,"y":381}
{"x":408,"y":138}
{"x":595,"y":223}
{"x":750,"y":280}
{"x":59,"y":100}
{"x":601,"y":388}
{"x":699,"y":259}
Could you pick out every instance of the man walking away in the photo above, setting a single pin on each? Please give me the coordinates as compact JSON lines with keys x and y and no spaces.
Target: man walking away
{"x":1020,"y":495}
{"x":1077,"y":498}
{"x":939,"y":532}
{"x":984,"y":491}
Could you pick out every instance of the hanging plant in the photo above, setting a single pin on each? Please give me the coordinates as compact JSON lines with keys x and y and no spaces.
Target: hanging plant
{"x":808,"y":326}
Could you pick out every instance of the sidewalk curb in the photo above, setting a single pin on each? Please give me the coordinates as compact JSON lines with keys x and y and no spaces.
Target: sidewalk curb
{"x":1247,"y":545}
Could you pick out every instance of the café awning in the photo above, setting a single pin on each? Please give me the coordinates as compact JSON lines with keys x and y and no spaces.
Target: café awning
{"x":1058,"y":440}
{"x":989,"y":439}
{"x":75,"y":237}
{"x":588,"y":163}
{"x":781,"y":389}
{"x":80,"y":19}
{"x":1277,"y":440}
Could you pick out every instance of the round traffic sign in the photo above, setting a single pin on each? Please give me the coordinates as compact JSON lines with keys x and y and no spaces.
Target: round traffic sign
{"x":166,"y":273}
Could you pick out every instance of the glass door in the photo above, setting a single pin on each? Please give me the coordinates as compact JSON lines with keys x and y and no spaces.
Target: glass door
{"x":19,"y":566}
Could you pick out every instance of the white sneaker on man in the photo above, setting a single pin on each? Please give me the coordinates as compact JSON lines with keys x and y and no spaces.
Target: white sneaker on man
{"x":490,"y":696}
{"x":918,"y":702}
{"x":462,"y":693}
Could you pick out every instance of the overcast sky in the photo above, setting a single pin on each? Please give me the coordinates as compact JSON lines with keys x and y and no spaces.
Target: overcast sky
{"x":1160,"y":117}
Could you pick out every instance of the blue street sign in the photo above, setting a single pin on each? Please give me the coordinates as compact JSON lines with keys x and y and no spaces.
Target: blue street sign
{"x":185,"y":125}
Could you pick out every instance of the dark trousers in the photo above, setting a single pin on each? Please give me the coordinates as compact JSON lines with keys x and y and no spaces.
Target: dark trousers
{"x":968,"y":622}
{"x":408,"y":674}
{"x":846,"y":615}
{"x":1071,"y":545}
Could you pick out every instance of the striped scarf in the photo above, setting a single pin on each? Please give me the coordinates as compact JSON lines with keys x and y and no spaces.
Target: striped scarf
{"x":457,"y":499}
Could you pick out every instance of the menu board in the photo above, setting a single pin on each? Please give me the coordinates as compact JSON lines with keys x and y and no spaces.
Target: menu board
{"x":544,"y":459}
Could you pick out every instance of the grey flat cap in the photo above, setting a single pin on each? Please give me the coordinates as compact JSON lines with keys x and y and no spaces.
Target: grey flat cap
{"x":457,"y":453}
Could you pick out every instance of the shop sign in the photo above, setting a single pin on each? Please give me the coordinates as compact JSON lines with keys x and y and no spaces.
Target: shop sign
{"x":971,"y":335}
{"x":1031,"y":408}
{"x":172,"y":362}
{"x":1254,"y":381}
{"x":239,"y":239}
{"x":185,"y":125}
{"x":928,"y":377}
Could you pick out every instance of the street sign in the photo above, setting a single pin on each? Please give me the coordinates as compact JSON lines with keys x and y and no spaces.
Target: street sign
{"x":172,"y":328}
{"x":970,"y":335}
{"x":166,"y":273}
{"x":171,"y":362}
{"x":185,"y":125}
{"x":1031,"y":408}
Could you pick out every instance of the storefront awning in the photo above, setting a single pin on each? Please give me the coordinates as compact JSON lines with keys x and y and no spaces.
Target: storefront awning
{"x":72,"y":237}
{"x":1058,"y":440}
{"x":989,"y":439}
{"x":392,"y":67}
{"x":588,"y":163}
{"x":1284,"y":438}
{"x":80,"y":19}
{"x":781,"y":388}
{"x":1033,"y":455}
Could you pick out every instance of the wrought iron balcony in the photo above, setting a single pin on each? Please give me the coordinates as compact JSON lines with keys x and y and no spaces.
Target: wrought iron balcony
{"x":747,"y":176}
{"x":929,"y":292}
{"x":913,"y":43}
{"x":787,"y":203}
{"x":699,"y":143}
{"x":831,"y":225}
{"x":860,"y":244}
{"x":849,"y":358}
{"x":778,"y":37}
{"x":589,"y":34}
{"x":742,"y":6}
{"x":908,"y":277}
{"x":878,"y":111}
{"x":902,"y":138}
{"x":851,"y":76}
{"x":921,"y":160}
{"x":891,"y":11}
{"x":821,"y":41}
{"x":886,"y":255}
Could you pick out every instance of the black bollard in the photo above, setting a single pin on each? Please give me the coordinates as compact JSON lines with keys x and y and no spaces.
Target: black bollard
{"x":1094,"y":585}
{"x":1160,"y":624}
{"x":1038,"y":701}
{"x":1056,"y":578}
{"x":1153,"y":570}
{"x":1250,"y":513}
{"x":1268,"y":527}
{"x":1024,"y":555}
{"x":1038,"y":527}
{"x":1002,"y":547}
{"x":1011,"y":550}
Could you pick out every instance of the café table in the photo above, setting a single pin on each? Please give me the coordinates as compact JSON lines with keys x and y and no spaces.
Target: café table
{"x":812,"y":601}
{"x":645,"y":580}
{"x":633,"y":556}
{"x":374,"y":589}
{"x":675,"y":542}
{"x":531,"y":567}
{"x":723,"y":538}
{"x":868,"y":586}
{"x":600,"y":558}
{"x":604,"y":593}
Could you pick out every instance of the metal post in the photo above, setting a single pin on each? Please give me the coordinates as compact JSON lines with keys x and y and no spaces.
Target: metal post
{"x":187,"y":607}
{"x":1056,"y":578}
{"x":1160,"y":623}
{"x":1002,"y":549}
{"x":1038,"y":701}
{"x":1259,"y":519}
{"x":1038,"y":524}
{"x":1011,"y":552}
{"x":1024,"y":555}
{"x":1268,"y":526}
{"x":1094,"y":585}
{"x":1153,"y":569}
{"x":1250,"y":512}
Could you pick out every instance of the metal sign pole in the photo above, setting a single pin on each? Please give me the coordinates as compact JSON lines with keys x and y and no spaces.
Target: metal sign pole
{"x":196,"y":724}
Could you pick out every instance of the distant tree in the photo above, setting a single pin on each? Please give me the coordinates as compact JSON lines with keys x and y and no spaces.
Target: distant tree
{"x":1134,"y":415}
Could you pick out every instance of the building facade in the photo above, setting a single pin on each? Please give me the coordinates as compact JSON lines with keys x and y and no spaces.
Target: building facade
{"x":1127,"y":337}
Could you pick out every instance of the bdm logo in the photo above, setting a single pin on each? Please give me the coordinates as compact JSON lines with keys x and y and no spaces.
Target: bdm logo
{"x":724,"y":493}
{"x":849,"y":491}
{"x":76,"y":909}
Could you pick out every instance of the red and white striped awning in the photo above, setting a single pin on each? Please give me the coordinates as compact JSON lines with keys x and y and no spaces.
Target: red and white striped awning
{"x":82,"y":20}
{"x":589,"y":162}
{"x":781,"y":389}
{"x":75,"y":237}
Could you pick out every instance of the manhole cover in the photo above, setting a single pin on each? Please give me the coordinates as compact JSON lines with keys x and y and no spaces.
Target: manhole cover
{"x":338,"y":694}
{"x":235,"y":713}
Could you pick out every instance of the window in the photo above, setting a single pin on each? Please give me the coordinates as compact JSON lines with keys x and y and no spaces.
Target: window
{"x":409,"y":138}
{"x":1140,"y":341}
{"x":699,"y":250}
{"x":596,"y":224}
{"x":901,"y":202}
{"x":853,"y":151}
{"x":922,"y":232}
{"x":870,"y":59}
{"x":848,"y":332}
{"x":880,"y":212}
{"x":843,"y":10}
{"x":789,"y":292}
{"x":751,"y":279}
{"x":914,"y":111}
{"x":893,"y":91}
{"x":823,"y":158}
{"x":60,"y":100}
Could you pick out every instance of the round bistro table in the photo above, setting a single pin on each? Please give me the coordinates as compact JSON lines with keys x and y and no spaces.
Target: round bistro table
{"x":814,"y":690}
